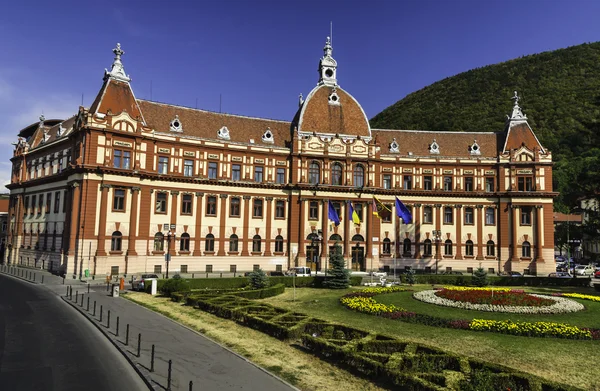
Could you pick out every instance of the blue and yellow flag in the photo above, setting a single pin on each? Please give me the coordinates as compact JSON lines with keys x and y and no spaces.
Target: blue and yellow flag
{"x":332,"y":214}
{"x":352,"y":215}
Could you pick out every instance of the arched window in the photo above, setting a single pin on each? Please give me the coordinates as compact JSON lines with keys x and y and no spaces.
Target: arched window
{"x":427,"y":247}
{"x":335,"y":238}
{"x":448,"y":247}
{"x":491,"y":248}
{"x":278,"y":244}
{"x":336,"y":174}
{"x":359,"y":176}
{"x":406,"y":247}
{"x":233,"y":243}
{"x":256,"y":244}
{"x":469,"y":248}
{"x":526,"y":250}
{"x":184,"y":242}
{"x":387,"y":246}
{"x":358,"y":238}
{"x":115,"y":241}
{"x":159,"y":242}
{"x":209,"y":243}
{"x":314,"y":173}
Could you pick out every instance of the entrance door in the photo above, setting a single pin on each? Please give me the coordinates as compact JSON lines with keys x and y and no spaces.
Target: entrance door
{"x":358,"y":259}
{"x":312,"y":257}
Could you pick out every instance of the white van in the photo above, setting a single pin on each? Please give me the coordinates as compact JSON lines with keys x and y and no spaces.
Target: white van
{"x":301,"y":271}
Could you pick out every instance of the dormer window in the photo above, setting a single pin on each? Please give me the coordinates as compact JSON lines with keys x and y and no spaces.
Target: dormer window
{"x":175,"y":125}
{"x":475,"y":149}
{"x":60,"y":130}
{"x":267,"y":137}
{"x":334,"y":98}
{"x":223,"y":133}
{"x":434,"y":147}
{"x":394,"y":146}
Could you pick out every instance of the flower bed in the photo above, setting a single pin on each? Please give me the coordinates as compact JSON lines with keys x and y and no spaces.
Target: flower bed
{"x":579,"y":296}
{"x":502,"y":298}
{"x":536,"y":329}
{"x":560,"y":305}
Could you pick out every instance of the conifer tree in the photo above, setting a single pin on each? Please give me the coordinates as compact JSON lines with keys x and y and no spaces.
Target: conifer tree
{"x":480,"y":277}
{"x":338,"y":277}
{"x":259,"y":279}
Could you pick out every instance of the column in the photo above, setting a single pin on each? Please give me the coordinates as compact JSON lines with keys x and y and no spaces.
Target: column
{"x":222,"y":223}
{"x":480,"y":223}
{"x":268,"y":234}
{"x":368,"y":240}
{"x":101,"y":249}
{"x":133,"y":221}
{"x":417,"y":218}
{"x":198,"y":228}
{"x":539,"y":210}
{"x":438,"y":238}
{"x":458,"y":219}
{"x":301,"y":215}
{"x":515,"y":250}
{"x":347,"y":232}
{"x":245,"y":241}
{"x":74,"y":220}
{"x":324,"y":223}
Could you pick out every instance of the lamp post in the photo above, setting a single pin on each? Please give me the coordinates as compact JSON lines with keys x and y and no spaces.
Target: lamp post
{"x":170,"y":237}
{"x":437,"y":236}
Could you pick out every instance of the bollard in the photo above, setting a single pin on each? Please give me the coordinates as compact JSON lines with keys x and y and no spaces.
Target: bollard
{"x":192,"y":276}
{"x":139,"y":352}
{"x":191,"y":385}
{"x":127,"y":334}
{"x":88,"y":288}
{"x":94,"y":308}
{"x":206,"y":275}
{"x":221,"y":275}
{"x":100,"y":313}
{"x":107,"y":286}
{"x":76,"y":296}
{"x":88,"y":305}
{"x":34,"y":277}
{"x":152,"y":359}
{"x":117,"y":334}
{"x":63,"y":281}
{"x":108,"y":320}
{"x":67,"y":295}
{"x":169,"y":376}
{"x":81,"y":300}
{"x":42,"y":278}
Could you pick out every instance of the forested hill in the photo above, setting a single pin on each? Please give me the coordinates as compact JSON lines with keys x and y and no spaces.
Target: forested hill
{"x":560,"y":94}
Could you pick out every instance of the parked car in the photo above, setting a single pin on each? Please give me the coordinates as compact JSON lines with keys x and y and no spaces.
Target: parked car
{"x":597,"y":273}
{"x":300,"y":271}
{"x":140,"y":285}
{"x":510,"y":274}
{"x":584,"y":270}
{"x":560,"y":275}
{"x":378,"y":274}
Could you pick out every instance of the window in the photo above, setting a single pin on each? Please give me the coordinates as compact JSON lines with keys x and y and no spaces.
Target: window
{"x":233,"y":269}
{"x":469,"y":216}
{"x":126,"y":162}
{"x":448,"y":215}
{"x":278,"y":244}
{"x":406,"y":247}
{"x":48,"y":202}
{"x":40,"y":204}
{"x":188,"y":167}
{"x":427,"y":247}
{"x":489,"y":185}
{"x":256,"y":244}
{"x":469,"y":248}
{"x":115,"y":241}
{"x":279,"y":209}
{"x":448,"y":247}
{"x":387,"y":181}
{"x":26,"y":206}
{"x":525,"y":183}
{"x":358,"y":208}
{"x":336,"y":174}
{"x":491,"y":248}
{"x":186,"y":204}
{"x":387,"y":246}
{"x":117,"y":155}
{"x":56,"y":202}
{"x":525,"y":215}
{"x":257,"y":210}
{"x":490,"y":216}
{"x":213,"y":167}
{"x":314,"y":173}
{"x":161,"y":202}
{"x":183,"y":269}
{"x":157,"y":269}
{"x":234,"y":207}
{"x":255,"y":267}
{"x":119,"y":200}
{"x":407,"y":182}
{"x":313,"y":210}
{"x":338,"y":210}
{"x":280,"y":176}
{"x":159,"y":242}
{"x":447,"y":183}
{"x":33,"y":204}
{"x":209,"y":243}
{"x":211,"y":206}
{"x":359,"y":176}
{"x":236,"y":172}
{"x":387,"y":218}
{"x":469,"y":183}
{"x":163,"y":165}
{"x":233,"y":243}
{"x":526,"y":250}
{"x":258,"y":173}
{"x":208,"y":269}
{"x":427,"y":215}
{"x":184,"y":242}
{"x":427,"y":182}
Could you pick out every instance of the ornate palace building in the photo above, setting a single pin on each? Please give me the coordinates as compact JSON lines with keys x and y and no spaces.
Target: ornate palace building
{"x":128,"y":183}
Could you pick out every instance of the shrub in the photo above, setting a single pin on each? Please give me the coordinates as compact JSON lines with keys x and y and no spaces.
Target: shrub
{"x":258,"y":279}
{"x":339,"y":276}
{"x":261,"y":293}
{"x":174,"y":285}
{"x":480,"y":277}
{"x":410,"y":277}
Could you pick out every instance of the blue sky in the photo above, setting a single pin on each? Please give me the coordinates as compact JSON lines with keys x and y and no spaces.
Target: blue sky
{"x":259,"y":55}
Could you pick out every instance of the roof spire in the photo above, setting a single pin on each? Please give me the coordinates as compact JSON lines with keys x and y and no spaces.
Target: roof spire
{"x":517,"y":114}
{"x":116,"y":71}
{"x":327,"y":66}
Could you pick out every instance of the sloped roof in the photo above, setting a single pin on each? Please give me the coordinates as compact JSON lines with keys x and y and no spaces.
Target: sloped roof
{"x":520,"y":134}
{"x":52,"y":131}
{"x":205,"y":124}
{"x":345,"y":118}
{"x":117,"y":97}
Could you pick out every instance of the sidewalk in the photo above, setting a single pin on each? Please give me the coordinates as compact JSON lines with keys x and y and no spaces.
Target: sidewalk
{"x":194,"y":357}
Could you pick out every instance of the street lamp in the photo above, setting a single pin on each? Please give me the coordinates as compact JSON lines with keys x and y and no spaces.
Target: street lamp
{"x":170,"y":237}
{"x":437,"y":236}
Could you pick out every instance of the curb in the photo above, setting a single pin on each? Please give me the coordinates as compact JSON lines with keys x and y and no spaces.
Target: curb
{"x":222,"y":346}
{"x":142,"y":372}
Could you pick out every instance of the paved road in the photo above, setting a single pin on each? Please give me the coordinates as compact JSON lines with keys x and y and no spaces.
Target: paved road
{"x":46,"y":345}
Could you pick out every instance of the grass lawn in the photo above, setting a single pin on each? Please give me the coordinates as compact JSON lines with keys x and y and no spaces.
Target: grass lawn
{"x":567,"y":361}
{"x":301,"y":369}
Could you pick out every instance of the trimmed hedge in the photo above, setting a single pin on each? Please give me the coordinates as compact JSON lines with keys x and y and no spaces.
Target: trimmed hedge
{"x":466,"y":280}
{"x":261,"y":293}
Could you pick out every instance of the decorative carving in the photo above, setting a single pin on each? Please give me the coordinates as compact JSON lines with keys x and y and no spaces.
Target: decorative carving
{"x":199,"y":194}
{"x":394,"y":146}
{"x":135,"y":189}
{"x":474,"y":148}
{"x":267,"y":137}
{"x":174,"y":192}
{"x":247,"y":197}
{"x":434,"y":147}
{"x":517,"y":114}
{"x":175,"y":125}
{"x":334,"y":98}
{"x":223,"y":133}
{"x":223,"y":196}
{"x":117,"y":72}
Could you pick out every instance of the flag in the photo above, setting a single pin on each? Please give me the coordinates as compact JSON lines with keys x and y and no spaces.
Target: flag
{"x":403,"y":212}
{"x":379,"y":210}
{"x":352,"y":215}
{"x":333,"y":216}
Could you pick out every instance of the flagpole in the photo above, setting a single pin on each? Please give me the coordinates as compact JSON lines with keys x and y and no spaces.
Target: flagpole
{"x":398,"y":228}
{"x":371,"y":238}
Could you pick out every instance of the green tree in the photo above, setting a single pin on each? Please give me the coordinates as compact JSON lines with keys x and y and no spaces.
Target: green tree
{"x":480,"y":277}
{"x":338,"y":276}
{"x":409,"y":277}
{"x":259,"y":279}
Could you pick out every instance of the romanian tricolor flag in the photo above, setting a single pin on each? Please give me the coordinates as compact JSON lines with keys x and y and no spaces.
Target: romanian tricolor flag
{"x":379,"y":210}
{"x":352,"y":215}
